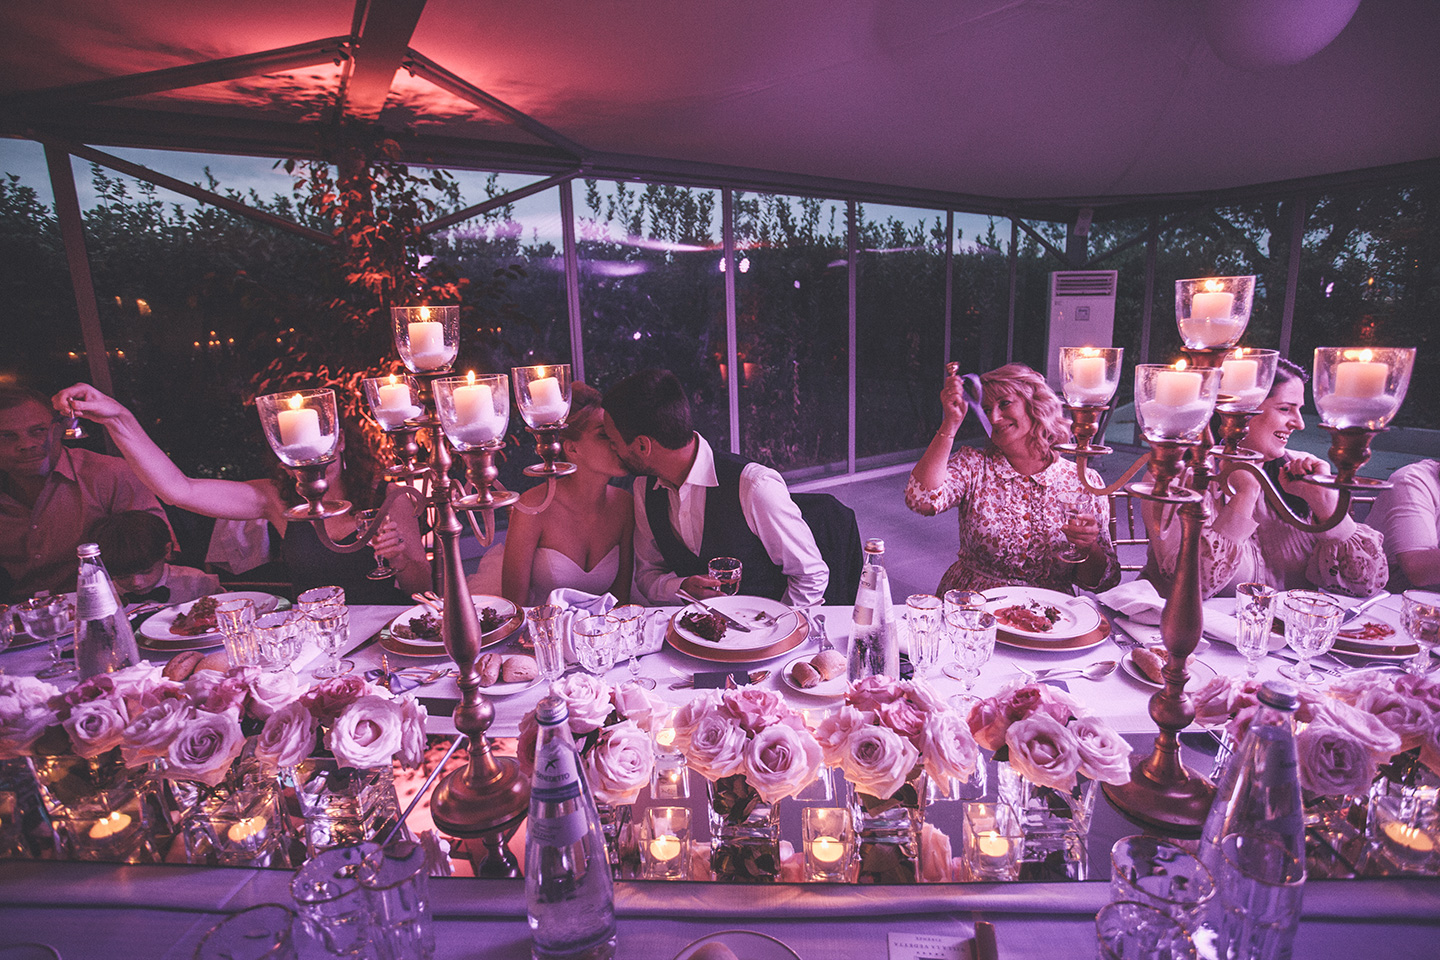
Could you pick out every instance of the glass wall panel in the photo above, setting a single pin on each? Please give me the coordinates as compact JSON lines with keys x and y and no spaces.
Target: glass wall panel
{"x":651,"y":291}
{"x":792,"y":318}
{"x":981,"y":297}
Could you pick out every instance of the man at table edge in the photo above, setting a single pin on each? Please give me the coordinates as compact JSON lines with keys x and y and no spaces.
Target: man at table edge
{"x":693,"y":504}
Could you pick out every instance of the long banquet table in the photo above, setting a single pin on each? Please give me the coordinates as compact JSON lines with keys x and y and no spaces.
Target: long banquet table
{"x":119,"y":912}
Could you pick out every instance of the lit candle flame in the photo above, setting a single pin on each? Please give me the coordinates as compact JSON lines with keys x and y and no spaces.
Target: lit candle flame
{"x":424,"y":313}
{"x":470,"y":377}
{"x":1089,"y":352}
{"x":296,"y":402}
{"x":1180,"y":364}
{"x":1366,"y":356}
{"x":1214,"y":285}
{"x":394,"y":379}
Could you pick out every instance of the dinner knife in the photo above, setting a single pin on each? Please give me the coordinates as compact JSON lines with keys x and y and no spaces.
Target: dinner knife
{"x":719,"y":613}
{"x":1353,"y":613}
{"x":985,"y":946}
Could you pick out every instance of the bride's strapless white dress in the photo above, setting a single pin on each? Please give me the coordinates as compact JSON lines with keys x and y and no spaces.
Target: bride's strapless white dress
{"x":549,"y":570}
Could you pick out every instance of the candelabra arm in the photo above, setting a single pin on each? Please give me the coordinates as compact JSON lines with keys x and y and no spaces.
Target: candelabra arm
{"x":484,"y":534}
{"x":549,"y":496}
{"x":1278,"y":504}
{"x":361,"y":541}
{"x":1081,"y":461}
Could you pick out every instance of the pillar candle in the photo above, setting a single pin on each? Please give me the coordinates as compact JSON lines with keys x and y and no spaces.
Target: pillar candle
{"x":1214,"y":305}
{"x":1177,"y":388}
{"x":1087,"y":373}
{"x":547,"y":405}
{"x":475,"y":413}
{"x":427,"y":345}
{"x":300,"y":431}
{"x":394,"y":395}
{"x":1361,"y":379}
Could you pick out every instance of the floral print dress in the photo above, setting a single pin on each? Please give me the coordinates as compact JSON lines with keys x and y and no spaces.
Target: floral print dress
{"x":1010,"y":523}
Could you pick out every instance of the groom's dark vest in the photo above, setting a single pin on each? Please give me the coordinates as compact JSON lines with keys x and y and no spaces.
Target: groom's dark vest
{"x":725,"y":534}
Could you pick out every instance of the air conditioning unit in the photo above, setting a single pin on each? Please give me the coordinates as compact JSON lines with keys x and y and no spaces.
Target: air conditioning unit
{"x":1082,"y":314}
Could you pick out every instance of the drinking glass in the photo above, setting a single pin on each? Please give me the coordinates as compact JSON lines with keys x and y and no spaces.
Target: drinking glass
{"x":48,"y":617}
{"x":259,"y":933}
{"x":1261,"y":888}
{"x":726,"y":570}
{"x":596,"y":641}
{"x":7,"y":627}
{"x":1162,"y":875}
{"x":972,"y":643}
{"x":1420,"y":618}
{"x":966,"y":604}
{"x":631,"y":633}
{"x":1311,"y":622}
{"x":1125,"y":930}
{"x":368,"y":519}
{"x":331,"y":906}
{"x":397,"y":888}
{"x":235,"y":619}
{"x":329,"y":621}
{"x":922,"y":621}
{"x":279,"y":636}
{"x":1254,"y":620}
{"x":1076,"y":519}
{"x":547,"y":625}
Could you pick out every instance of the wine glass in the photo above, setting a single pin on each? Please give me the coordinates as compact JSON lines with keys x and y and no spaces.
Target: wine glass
{"x":922,"y":621}
{"x":595,"y":638}
{"x":1420,"y":617}
{"x":1254,"y":618}
{"x":48,"y":617}
{"x":329,"y":621}
{"x":967,"y":605}
{"x":972,"y":642}
{"x":631,"y":617}
{"x":1311,"y":622}
{"x":726,"y":572}
{"x":1077,"y":518}
{"x":367,"y":520}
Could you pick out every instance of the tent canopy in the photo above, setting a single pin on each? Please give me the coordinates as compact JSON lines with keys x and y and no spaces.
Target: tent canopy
{"x":1036,"y":107}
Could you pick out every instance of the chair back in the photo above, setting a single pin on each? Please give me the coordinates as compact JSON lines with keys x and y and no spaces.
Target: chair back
{"x":1127,"y":530}
{"x":837,"y":534}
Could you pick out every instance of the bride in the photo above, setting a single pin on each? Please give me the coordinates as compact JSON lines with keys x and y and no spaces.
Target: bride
{"x":584,"y":538}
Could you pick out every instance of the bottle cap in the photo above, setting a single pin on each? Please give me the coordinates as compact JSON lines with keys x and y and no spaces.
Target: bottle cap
{"x":874,"y":545}
{"x":551,"y":710}
{"x":87,"y":550}
{"x":1279,"y":695}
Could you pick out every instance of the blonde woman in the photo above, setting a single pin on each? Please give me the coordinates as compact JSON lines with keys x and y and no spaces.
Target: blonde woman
{"x":1014,"y":494}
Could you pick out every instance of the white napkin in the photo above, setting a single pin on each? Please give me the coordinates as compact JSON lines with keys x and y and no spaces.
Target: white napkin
{"x":1142,"y":604}
{"x":580,"y":601}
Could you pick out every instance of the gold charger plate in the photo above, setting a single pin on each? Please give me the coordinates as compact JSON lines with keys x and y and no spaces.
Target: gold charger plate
{"x":1083,"y":642}
{"x":714,"y":654}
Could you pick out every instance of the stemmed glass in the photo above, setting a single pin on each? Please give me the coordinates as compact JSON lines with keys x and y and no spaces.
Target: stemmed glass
{"x":631,"y":617}
{"x":1254,"y":618}
{"x":922,"y":621}
{"x":1311,"y":622}
{"x":330,"y":624}
{"x":48,"y":617}
{"x":1420,"y":616}
{"x":1076,"y":519}
{"x":595,"y":638}
{"x":367,"y":520}
{"x":972,"y":641}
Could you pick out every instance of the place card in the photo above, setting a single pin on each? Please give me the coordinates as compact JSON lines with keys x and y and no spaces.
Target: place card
{"x":926,"y":946}
{"x":715,"y":680}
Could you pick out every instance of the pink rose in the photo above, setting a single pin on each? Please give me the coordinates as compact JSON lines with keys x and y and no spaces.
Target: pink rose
{"x":288,"y":736}
{"x":716,"y":747}
{"x":620,"y":763}
{"x":412,"y":732}
{"x":137,"y":681}
{"x":525,"y":745}
{"x":1406,"y":716}
{"x":870,"y":692}
{"x":1044,"y":752}
{"x":1332,"y":762}
{"x":1368,"y":731}
{"x":1104,"y":754}
{"x":835,"y":730}
{"x":588,"y":699}
{"x":93,"y":688}
{"x":1430,"y":747}
{"x":936,"y":855}
{"x":1424,"y":689}
{"x":204,"y":749}
{"x":949,"y":749}
{"x":634,"y":702}
{"x":753,"y":708}
{"x":903,"y":716}
{"x":877,"y":760}
{"x":328,"y":698}
{"x":1218,"y":701}
{"x":367,"y":733}
{"x":96,"y":725}
{"x":988,"y":723}
{"x":216,"y":693}
{"x":149,"y":735}
{"x":688,"y":717}
{"x":25,"y":712}
{"x":781,"y":761}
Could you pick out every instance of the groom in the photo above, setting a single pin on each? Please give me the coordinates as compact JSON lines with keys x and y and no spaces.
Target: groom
{"x":693,"y":504}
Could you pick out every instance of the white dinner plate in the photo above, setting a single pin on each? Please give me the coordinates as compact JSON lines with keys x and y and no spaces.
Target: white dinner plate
{"x":1075,"y":616}
{"x":832,"y":689}
{"x":1201,"y":672}
{"x":745,"y":610}
{"x":501,"y":689}
{"x":746,"y":944}
{"x":157,"y":628}
{"x":504,"y":608}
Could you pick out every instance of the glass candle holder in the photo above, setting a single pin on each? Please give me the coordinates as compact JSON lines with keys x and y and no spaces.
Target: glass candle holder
{"x":427,"y":338}
{"x":392,"y":400}
{"x":1090,"y":375}
{"x":829,"y":837}
{"x":474,"y":410}
{"x":1213,"y":311}
{"x":1174,"y":403}
{"x":993,"y":841}
{"x":1406,"y":832}
{"x":1160,"y":874}
{"x":302,"y":426}
{"x":1246,"y":375}
{"x":542,"y":393}
{"x":670,"y":780}
{"x":1361,"y":387}
{"x":665,"y":843}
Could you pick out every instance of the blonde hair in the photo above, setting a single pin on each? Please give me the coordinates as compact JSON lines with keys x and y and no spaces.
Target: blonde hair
{"x":1048,"y":424}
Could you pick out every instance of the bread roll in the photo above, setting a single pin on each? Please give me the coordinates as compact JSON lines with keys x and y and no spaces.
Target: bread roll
{"x":804,"y":675}
{"x":713,"y":951}
{"x":829,"y":664}
{"x":182,"y":665}
{"x":216,"y":660}
{"x":489,"y":667}
{"x":1149,"y":663}
{"x":518,"y":670}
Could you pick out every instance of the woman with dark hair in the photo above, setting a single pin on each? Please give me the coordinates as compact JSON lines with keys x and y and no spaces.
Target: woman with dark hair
{"x":584,"y":538}
{"x":1014,"y":494}
{"x":309,"y":562}
{"x":1248,"y":542}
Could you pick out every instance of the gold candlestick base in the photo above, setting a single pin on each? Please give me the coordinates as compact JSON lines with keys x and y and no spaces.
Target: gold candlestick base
{"x":311,"y":484}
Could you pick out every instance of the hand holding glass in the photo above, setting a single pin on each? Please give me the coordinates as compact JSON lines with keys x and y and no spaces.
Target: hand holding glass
{"x":367,"y":520}
{"x":1080,"y":521}
{"x":726,"y":571}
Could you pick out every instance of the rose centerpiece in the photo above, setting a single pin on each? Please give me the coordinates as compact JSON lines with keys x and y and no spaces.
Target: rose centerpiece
{"x":886,"y":739}
{"x":754,"y":750}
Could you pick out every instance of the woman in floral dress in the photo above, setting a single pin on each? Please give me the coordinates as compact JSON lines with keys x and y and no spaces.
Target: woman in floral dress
{"x":1012,"y":495}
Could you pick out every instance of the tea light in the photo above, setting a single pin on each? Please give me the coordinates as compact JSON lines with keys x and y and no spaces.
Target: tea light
{"x":993,"y":848}
{"x":109,"y":825}
{"x":547,"y":404}
{"x":300,"y":430}
{"x":427,"y":342}
{"x":665,"y":737}
{"x":246,"y":829}
{"x":826,"y":850}
{"x":665,"y":848}
{"x":1412,"y":841}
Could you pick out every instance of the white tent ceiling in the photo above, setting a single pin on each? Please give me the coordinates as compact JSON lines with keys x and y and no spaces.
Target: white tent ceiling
{"x":1005,"y":104}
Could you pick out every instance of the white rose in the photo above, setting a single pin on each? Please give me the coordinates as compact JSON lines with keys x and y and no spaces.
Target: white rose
{"x":1104,"y":754}
{"x":1043,"y":751}
{"x":635,"y":703}
{"x":877,"y":760}
{"x":24,"y":713}
{"x":835,"y":730}
{"x":288,"y":736}
{"x":781,"y":761}
{"x":688,"y":717}
{"x":412,"y":733}
{"x":1219,"y":700}
{"x":620,"y":763}
{"x":204,"y":749}
{"x":138,"y":680}
{"x":1408,"y":717}
{"x":149,"y":735}
{"x":716,"y":747}
{"x":949,"y":749}
{"x":1368,"y":731}
{"x":1332,"y":761}
{"x":268,"y":691}
{"x":96,"y":725}
{"x":367,"y":733}
{"x":588,"y":699}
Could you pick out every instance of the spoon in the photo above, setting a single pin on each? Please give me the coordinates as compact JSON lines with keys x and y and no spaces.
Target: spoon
{"x":1095,"y":671}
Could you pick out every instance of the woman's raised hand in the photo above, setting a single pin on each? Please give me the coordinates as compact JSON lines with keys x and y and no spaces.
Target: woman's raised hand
{"x":953,"y":405}
{"x":83,"y":400}
{"x":388,"y":542}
